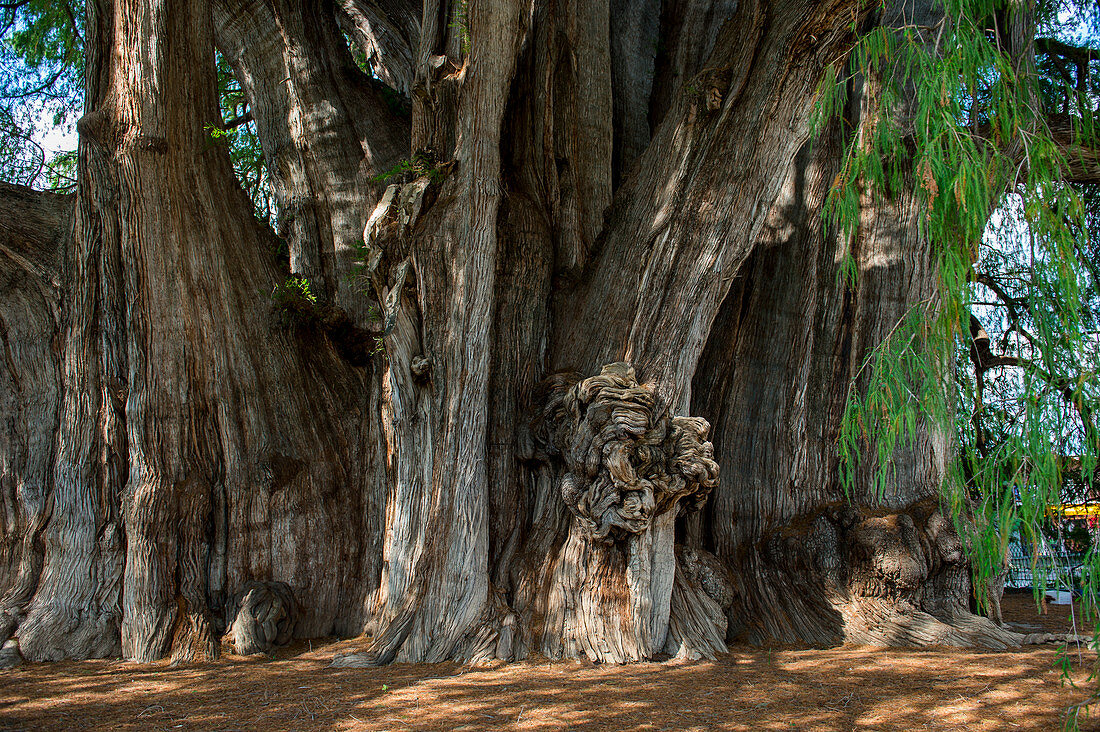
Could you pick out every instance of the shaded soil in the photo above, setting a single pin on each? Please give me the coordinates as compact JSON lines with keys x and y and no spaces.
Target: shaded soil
{"x":1022,"y":614}
{"x":750,"y":688}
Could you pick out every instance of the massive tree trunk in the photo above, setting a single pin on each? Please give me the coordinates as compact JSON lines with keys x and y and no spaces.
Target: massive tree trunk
{"x":203,"y":441}
{"x":812,"y":562}
{"x":33,"y":229}
{"x":613,"y":355}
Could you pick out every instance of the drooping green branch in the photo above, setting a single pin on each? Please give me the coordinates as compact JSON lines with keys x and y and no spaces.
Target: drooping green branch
{"x":963,"y":114}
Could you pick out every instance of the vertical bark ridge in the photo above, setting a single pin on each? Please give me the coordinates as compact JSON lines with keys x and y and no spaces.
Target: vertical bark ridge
{"x":223,"y":407}
{"x":76,"y":610}
{"x":689,"y":30}
{"x":326,"y":131}
{"x":435,"y":595}
{"x":34,"y":227}
{"x":687,"y":221}
{"x":635,"y":40}
{"x":558,"y":159}
{"x":521,"y":323}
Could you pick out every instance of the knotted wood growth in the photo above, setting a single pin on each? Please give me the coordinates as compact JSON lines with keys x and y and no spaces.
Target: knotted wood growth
{"x":625,"y":463}
{"x":625,"y":469}
{"x":264,"y":614}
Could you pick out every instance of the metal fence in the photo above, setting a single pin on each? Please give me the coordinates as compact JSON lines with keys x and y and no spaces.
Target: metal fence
{"x":1059,"y":569}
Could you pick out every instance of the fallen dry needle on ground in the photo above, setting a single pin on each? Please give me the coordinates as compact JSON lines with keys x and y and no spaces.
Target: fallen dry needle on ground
{"x":750,"y":688}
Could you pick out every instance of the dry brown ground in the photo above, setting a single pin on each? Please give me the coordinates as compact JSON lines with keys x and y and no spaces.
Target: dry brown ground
{"x":750,"y":688}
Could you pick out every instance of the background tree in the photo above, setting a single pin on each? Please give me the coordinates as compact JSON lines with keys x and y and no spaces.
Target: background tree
{"x":40,"y":73}
{"x":551,"y":348}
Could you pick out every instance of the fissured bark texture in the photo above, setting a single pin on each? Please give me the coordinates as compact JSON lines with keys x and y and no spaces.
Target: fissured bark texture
{"x":548,"y":355}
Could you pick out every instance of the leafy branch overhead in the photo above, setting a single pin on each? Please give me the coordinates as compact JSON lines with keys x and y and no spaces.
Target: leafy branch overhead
{"x":991,"y":118}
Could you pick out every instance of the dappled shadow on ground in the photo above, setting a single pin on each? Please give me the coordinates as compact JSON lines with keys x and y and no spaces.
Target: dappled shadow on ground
{"x":749,"y":688}
{"x":1022,"y":613}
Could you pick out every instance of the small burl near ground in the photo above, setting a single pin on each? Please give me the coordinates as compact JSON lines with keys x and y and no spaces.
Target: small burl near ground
{"x":845,"y":688}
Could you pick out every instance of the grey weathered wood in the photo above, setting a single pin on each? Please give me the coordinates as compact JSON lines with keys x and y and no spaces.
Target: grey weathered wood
{"x":263,"y":616}
{"x":606,"y":284}
{"x":33,"y":229}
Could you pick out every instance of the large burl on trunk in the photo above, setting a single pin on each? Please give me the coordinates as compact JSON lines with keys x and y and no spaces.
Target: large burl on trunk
{"x":569,"y":383}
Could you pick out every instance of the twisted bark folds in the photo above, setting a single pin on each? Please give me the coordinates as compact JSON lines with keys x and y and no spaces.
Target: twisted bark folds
{"x":572,"y":375}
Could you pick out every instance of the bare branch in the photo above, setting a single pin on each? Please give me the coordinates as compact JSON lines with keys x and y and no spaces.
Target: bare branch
{"x":983,"y":358}
{"x":386,"y":32}
{"x":38,"y":89}
{"x":235,"y":122}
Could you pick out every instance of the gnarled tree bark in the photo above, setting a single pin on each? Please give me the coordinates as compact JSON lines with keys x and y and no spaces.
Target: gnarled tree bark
{"x":202,"y":444}
{"x":581,"y":399}
{"x":33,"y":230}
